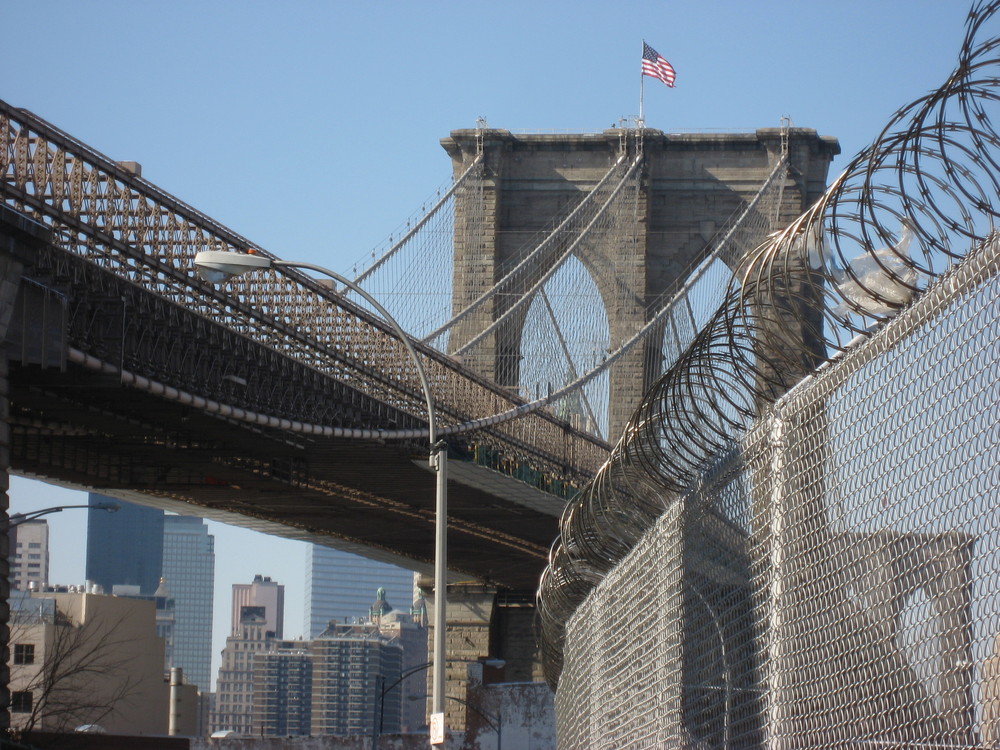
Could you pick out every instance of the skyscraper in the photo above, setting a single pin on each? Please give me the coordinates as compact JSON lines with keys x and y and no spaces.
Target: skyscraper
{"x":348,"y":662}
{"x":234,"y":688}
{"x":29,"y":554}
{"x":258,"y":617}
{"x":139,"y":546}
{"x":339,"y":585}
{"x":189,"y":572}
{"x":124,"y":548}
{"x":263,"y":592}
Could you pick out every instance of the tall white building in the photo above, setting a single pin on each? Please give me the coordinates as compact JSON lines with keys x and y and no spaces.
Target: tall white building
{"x":342,"y":586}
{"x":29,"y":554}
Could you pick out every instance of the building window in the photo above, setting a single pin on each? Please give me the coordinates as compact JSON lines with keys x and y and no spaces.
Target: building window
{"x":20,"y":702}
{"x":34,"y":545}
{"x":24,"y":653}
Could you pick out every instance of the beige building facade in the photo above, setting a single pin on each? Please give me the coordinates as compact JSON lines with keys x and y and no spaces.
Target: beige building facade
{"x":79,"y":659}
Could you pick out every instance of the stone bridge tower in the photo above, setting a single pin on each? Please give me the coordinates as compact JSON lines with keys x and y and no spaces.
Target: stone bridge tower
{"x":690,"y":184}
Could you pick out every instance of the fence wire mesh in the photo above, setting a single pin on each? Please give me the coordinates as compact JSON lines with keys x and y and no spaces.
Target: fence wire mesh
{"x":835,"y":580}
{"x":795,"y":542}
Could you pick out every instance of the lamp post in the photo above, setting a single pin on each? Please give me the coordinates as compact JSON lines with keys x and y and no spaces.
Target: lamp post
{"x":383,"y":691}
{"x":218,"y":266}
{"x":495,"y":721}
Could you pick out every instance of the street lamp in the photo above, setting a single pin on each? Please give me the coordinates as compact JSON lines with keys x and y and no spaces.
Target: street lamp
{"x":18,"y":518}
{"x":383,"y":691}
{"x":217,"y":267}
{"x":494,"y":720}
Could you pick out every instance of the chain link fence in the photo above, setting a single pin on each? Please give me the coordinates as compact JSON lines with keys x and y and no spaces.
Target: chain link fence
{"x":795,"y":544}
{"x":835,"y":580}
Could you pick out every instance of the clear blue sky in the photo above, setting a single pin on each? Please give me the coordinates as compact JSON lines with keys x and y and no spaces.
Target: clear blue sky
{"x":312,"y":128}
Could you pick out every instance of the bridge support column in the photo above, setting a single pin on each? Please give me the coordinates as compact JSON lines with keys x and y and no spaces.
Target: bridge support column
{"x":689,"y":187}
{"x":483,"y":625}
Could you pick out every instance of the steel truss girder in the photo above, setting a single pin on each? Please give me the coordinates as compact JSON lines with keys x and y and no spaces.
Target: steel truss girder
{"x":114,"y":219}
{"x":127,"y":326}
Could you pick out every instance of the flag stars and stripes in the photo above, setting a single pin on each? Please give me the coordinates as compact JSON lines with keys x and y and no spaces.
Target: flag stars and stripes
{"x":655,"y":66}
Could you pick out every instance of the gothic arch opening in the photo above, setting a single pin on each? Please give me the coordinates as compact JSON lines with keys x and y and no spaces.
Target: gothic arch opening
{"x":564,"y":334}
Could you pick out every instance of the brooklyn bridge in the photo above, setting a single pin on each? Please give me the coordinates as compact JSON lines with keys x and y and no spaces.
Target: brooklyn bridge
{"x":612,"y":330}
{"x":278,"y":401}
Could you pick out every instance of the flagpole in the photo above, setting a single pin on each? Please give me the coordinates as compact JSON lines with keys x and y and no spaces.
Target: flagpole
{"x":642,"y":77}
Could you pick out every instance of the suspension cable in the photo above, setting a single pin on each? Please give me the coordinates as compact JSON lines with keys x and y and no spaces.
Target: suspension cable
{"x":529,"y":295}
{"x":419,"y":225}
{"x":524,"y":263}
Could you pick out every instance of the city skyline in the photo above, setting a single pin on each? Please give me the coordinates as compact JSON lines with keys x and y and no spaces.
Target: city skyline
{"x":284,"y":560}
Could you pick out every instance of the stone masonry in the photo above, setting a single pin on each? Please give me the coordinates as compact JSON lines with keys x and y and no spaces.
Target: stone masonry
{"x":690,"y":185}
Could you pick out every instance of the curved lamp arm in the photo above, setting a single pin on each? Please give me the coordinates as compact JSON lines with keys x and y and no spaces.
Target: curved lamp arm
{"x":218,"y":266}
{"x":17,"y":519}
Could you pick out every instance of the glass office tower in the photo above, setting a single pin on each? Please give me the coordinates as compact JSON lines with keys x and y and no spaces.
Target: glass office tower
{"x":125,"y":547}
{"x":137,"y":546}
{"x":342,"y":586}
{"x":189,"y":572}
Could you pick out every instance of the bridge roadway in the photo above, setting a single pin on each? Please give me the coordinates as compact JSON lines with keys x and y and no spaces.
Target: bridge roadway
{"x":126,"y":376}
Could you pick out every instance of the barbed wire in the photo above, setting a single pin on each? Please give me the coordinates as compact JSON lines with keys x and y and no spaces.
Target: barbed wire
{"x":906,"y":208}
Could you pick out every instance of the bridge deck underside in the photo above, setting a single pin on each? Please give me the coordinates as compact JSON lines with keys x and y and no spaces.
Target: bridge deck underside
{"x":86,"y":429}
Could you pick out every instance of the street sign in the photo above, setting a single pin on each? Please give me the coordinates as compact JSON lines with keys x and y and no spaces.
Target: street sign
{"x":437,"y":729}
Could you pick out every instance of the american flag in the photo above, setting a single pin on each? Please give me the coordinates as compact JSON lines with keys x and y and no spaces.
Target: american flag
{"x":655,"y":66}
